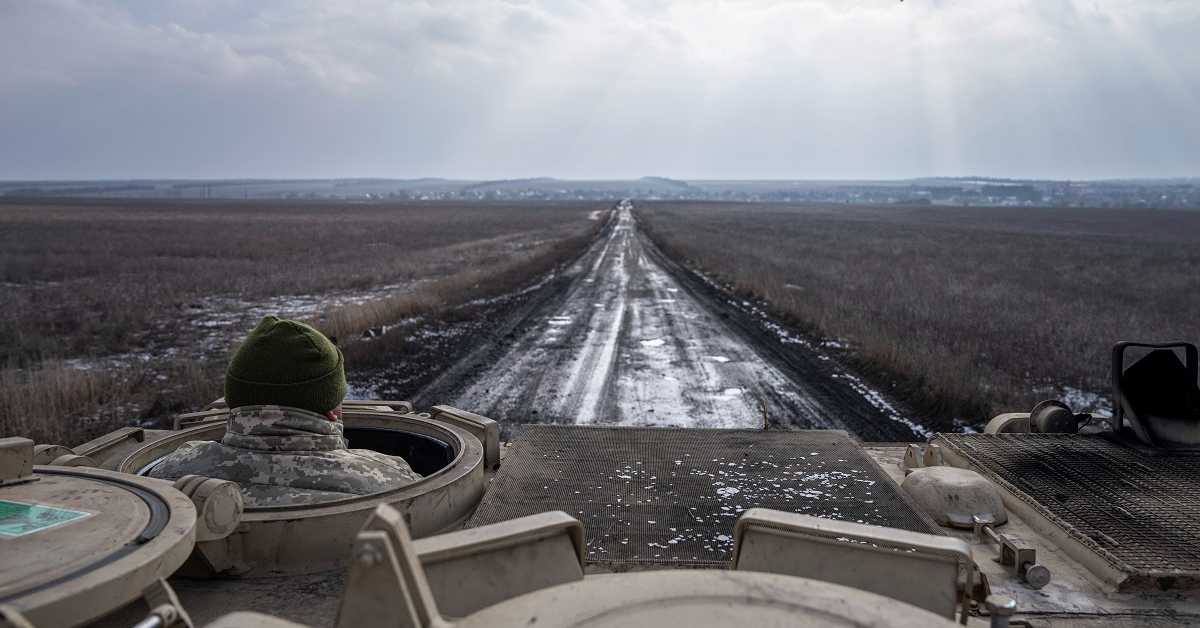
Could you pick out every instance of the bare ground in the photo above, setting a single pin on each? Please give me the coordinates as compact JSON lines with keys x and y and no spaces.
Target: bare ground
{"x":960,"y":312}
{"x":122,"y":311}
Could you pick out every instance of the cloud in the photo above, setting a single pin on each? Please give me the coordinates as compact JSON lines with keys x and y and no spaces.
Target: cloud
{"x":696,"y":88}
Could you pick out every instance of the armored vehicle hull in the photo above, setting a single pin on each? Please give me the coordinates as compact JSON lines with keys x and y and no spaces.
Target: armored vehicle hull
{"x":1056,"y":529}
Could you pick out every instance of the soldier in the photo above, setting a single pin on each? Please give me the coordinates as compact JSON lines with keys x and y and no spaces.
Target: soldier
{"x":283,"y":444}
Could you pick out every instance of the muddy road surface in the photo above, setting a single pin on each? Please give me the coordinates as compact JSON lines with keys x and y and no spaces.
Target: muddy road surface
{"x":633,"y":339}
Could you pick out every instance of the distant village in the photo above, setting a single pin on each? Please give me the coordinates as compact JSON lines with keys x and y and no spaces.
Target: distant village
{"x":967,"y":191}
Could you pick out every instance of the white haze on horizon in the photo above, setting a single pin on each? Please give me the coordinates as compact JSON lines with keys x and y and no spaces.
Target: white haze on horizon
{"x":605,"y":89}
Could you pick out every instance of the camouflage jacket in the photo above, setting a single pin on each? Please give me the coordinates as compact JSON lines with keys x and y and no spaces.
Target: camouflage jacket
{"x":282,"y":456}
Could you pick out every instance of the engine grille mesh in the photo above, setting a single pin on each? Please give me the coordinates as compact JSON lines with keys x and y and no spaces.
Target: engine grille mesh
{"x":660,"y":495}
{"x":1140,"y":511}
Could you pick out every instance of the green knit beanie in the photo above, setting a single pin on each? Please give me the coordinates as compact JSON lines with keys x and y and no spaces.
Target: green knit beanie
{"x":286,"y":363}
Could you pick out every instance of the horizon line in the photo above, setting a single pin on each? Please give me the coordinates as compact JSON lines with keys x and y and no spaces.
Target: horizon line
{"x":601,"y":179}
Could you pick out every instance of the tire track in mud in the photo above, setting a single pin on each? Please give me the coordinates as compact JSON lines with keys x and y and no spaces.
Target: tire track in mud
{"x":636,"y":340}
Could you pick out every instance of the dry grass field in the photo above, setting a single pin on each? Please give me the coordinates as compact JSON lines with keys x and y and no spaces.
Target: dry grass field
{"x":966,"y":311}
{"x":117,"y":310}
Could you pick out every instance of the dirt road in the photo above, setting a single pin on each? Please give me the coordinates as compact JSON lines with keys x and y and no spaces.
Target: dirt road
{"x":629,"y":343}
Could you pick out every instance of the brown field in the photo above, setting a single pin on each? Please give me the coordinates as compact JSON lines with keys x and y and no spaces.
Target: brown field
{"x":116,"y":310}
{"x":965,"y":311}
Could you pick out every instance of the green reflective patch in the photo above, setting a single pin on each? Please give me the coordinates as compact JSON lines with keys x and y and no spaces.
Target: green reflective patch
{"x":19,"y":519}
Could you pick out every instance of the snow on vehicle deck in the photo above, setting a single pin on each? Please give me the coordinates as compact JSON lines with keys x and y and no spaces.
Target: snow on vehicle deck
{"x":628,"y":346}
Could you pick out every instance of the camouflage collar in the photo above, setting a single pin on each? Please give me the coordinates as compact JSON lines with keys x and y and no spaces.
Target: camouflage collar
{"x":281,"y":428}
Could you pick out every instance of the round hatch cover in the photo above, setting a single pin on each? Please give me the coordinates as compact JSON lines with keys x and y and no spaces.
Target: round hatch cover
{"x":700,"y":599}
{"x":78,"y":543}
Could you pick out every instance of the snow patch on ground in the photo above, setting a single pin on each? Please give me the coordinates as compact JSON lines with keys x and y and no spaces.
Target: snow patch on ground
{"x":210,"y":327}
{"x":355,"y":390}
{"x":534,"y":287}
{"x":787,"y":337}
{"x":875,"y":398}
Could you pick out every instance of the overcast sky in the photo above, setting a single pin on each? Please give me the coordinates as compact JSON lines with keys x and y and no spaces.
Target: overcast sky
{"x":599,"y":88}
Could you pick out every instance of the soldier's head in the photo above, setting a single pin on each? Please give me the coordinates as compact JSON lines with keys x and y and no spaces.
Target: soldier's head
{"x":287,"y":363}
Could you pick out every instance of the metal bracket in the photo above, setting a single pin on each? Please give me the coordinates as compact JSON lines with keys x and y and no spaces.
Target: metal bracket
{"x":933,"y":456}
{"x":914,"y":454}
{"x":192,"y":419}
{"x":386,"y":579}
{"x":12,"y":618}
{"x":396,"y":406}
{"x":45,"y":454}
{"x":1014,"y":552}
{"x":110,"y":440}
{"x":73,"y":460}
{"x":16,"y":460}
{"x":1000,"y":608}
{"x":166,"y":611}
{"x":483,"y":428}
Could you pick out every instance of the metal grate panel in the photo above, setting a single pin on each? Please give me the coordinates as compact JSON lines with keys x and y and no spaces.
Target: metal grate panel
{"x":661,"y":495}
{"x":1139,"y":511}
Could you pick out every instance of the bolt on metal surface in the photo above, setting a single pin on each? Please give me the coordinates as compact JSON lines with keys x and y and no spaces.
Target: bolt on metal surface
{"x":1000,"y":609}
{"x":369,"y":555}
